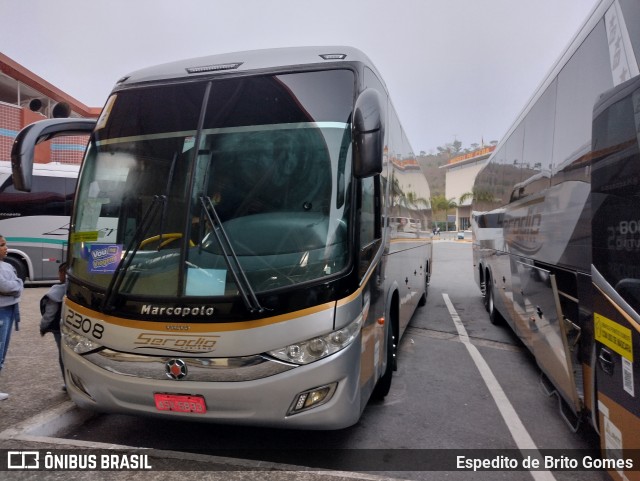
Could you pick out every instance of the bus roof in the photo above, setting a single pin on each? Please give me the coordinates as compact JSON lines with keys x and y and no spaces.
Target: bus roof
{"x":594,"y":17}
{"x":251,"y":60}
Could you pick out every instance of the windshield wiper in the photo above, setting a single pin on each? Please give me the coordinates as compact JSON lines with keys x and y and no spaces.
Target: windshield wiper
{"x":244,"y":286}
{"x":133,"y":246}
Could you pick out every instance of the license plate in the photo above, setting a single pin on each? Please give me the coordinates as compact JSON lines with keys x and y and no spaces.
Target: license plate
{"x":180,"y":403}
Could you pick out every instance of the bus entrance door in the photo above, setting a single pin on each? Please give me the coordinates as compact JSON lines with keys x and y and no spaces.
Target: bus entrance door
{"x":547,"y":331}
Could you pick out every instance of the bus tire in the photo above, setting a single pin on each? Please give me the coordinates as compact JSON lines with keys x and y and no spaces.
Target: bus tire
{"x":494,"y":316}
{"x":383,"y":386}
{"x":18,"y":265}
{"x":423,"y":299}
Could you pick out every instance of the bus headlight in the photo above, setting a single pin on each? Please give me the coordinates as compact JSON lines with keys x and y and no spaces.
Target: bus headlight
{"x":77,"y":342}
{"x":311,"y":350}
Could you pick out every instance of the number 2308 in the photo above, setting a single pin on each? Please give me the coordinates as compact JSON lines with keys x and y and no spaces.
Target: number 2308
{"x":84,"y":324}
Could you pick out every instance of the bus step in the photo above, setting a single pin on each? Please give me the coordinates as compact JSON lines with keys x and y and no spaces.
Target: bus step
{"x":572,"y":419}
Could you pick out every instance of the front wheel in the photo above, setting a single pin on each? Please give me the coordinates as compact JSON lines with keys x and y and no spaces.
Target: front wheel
{"x":383,"y":386}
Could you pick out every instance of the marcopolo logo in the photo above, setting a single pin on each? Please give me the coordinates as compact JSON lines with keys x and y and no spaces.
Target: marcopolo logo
{"x":181,"y":311}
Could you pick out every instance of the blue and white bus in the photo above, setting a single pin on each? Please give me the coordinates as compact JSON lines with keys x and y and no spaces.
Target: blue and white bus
{"x":36,"y":224}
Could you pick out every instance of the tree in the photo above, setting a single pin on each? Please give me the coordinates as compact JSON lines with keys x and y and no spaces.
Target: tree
{"x":444,"y":149}
{"x":414,"y":201}
{"x":465,"y":197}
{"x":439,"y":203}
{"x":476,"y":196}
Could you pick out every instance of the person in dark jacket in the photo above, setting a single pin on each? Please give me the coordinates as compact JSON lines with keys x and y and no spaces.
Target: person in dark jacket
{"x":51,"y":310}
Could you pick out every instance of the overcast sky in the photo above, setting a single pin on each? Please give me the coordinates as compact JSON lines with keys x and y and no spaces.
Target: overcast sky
{"x":456,"y":69}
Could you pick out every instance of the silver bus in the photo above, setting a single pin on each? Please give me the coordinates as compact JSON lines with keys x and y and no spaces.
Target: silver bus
{"x":248,"y":274}
{"x":555,"y":224}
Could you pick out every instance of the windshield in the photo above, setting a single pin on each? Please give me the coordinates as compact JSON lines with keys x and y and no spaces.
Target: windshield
{"x":266,"y":155}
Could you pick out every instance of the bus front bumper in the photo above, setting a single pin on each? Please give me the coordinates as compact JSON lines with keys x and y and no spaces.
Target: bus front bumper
{"x":266,"y":401}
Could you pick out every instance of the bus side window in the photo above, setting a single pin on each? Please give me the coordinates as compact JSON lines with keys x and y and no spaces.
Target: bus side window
{"x":369,"y":231}
{"x":367,"y":213}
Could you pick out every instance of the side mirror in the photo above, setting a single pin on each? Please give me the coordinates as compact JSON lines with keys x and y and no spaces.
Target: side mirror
{"x":24,"y":145}
{"x":368,"y":139}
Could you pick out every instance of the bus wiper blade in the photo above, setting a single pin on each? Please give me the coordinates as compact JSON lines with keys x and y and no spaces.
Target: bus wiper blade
{"x":132,"y":248}
{"x":244,"y":286}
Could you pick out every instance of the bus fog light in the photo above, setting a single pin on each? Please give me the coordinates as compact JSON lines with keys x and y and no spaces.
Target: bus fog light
{"x":302,"y":398}
{"x":312,"y":398}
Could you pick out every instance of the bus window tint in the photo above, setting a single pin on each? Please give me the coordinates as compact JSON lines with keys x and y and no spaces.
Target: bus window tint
{"x":616,"y":192}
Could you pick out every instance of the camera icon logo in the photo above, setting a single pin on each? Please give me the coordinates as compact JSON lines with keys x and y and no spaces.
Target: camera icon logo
{"x":23,"y":460}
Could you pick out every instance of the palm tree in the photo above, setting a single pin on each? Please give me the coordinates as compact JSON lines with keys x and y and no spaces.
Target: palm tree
{"x":440,"y":203}
{"x":415,"y":201}
{"x":476,"y":195}
{"x":450,"y":204}
{"x":465,"y":197}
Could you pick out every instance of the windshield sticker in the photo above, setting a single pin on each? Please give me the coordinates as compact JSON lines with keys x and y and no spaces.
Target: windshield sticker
{"x":104,"y":258}
{"x":206,"y":282}
{"x":90,"y":236}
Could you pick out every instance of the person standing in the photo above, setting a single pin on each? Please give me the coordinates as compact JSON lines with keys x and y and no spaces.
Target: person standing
{"x":51,"y":310}
{"x":10,"y":291}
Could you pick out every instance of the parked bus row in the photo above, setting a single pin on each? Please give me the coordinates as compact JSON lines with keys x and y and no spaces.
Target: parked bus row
{"x":249,"y":239}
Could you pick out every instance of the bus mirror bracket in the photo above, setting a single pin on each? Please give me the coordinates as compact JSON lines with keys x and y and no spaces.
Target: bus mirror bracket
{"x":24,"y":145}
{"x":368,"y":134}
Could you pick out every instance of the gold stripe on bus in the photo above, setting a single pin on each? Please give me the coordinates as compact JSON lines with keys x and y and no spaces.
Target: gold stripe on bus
{"x":350,"y":298}
{"x":358,"y":291}
{"x":631,"y":321}
{"x":164,"y":326}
